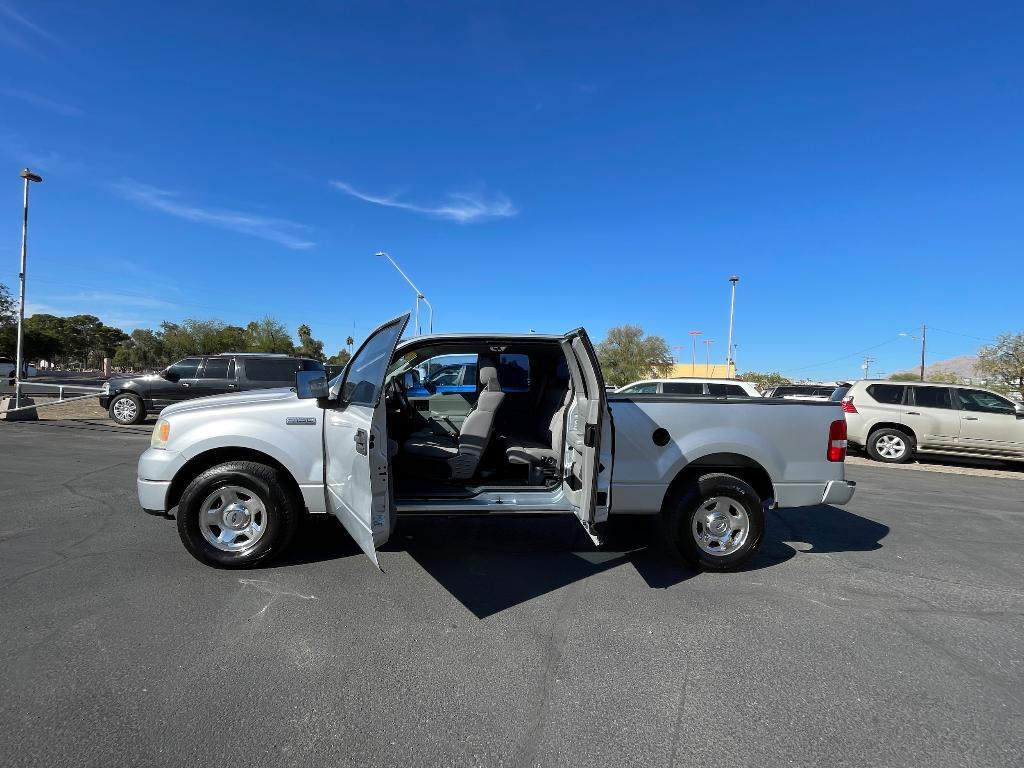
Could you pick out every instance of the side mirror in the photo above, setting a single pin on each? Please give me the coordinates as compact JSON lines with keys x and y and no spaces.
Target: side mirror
{"x":1019,"y":410}
{"x":410,"y":380}
{"x":311,"y":384}
{"x":170,"y":375}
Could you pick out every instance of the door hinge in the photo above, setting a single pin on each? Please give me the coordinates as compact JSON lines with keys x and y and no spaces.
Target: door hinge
{"x":360,"y":441}
{"x":590,"y":435}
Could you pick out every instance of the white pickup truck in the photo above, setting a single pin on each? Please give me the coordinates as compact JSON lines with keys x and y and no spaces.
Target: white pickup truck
{"x":483,"y":424}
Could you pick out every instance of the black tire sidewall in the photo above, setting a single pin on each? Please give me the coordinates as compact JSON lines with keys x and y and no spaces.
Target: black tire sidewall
{"x":907,"y":441}
{"x":688,"y":504}
{"x":140,"y":413}
{"x":261,"y":481}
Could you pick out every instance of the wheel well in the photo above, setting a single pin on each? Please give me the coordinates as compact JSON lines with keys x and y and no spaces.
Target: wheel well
{"x":199,"y":464}
{"x":743,"y":467}
{"x":892,"y":425}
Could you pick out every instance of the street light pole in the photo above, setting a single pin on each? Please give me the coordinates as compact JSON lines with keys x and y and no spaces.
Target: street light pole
{"x":707,"y":360}
{"x":419,"y":294}
{"x":733,"y":279}
{"x":28,"y":176}
{"x":693,"y":361}
{"x":924,"y":337}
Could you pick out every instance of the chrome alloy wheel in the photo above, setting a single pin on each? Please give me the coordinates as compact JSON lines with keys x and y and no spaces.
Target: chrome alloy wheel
{"x":720,"y":526}
{"x":125,"y":409}
{"x":891,"y":446}
{"x":232,"y":519}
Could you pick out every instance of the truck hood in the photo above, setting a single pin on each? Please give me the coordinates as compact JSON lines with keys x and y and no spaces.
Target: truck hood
{"x":251,"y":399}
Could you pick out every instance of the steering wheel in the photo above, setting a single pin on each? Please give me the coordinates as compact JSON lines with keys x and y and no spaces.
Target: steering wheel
{"x":399,"y":392}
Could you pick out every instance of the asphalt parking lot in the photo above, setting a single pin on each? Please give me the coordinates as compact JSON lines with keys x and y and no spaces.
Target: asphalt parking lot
{"x":886,"y":633}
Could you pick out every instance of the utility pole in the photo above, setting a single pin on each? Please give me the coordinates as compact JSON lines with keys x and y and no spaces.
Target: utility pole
{"x":693,"y":360}
{"x":866,"y":365}
{"x":733,"y":279}
{"x":924,"y":337}
{"x":28,"y":176}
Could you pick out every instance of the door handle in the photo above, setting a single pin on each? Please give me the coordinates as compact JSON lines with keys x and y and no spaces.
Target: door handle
{"x":185,"y":384}
{"x":970,"y":418}
{"x":913,"y":413}
{"x":360,"y":441}
{"x":232,"y":386}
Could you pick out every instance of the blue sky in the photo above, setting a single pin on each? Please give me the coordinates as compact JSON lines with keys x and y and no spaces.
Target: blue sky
{"x":537,"y":166}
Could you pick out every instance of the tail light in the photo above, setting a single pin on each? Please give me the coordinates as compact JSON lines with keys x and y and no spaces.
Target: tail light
{"x":847,"y":405}
{"x":837,"y":441}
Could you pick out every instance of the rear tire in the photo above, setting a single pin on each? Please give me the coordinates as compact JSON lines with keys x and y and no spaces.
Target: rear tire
{"x":237,"y":515}
{"x":716,"y":523}
{"x":127,"y":408}
{"x":890,"y":446}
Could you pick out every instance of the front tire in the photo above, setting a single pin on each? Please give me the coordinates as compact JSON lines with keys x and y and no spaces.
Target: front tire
{"x":890,"y":446}
{"x":237,"y":515}
{"x":127,"y":408}
{"x":717,"y":523}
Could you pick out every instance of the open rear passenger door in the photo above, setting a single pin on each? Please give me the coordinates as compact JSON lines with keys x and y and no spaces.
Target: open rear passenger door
{"x":589,"y":435}
{"x":356,"y":473}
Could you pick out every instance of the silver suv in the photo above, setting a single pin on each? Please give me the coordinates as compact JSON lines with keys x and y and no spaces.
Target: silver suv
{"x":894,"y":420}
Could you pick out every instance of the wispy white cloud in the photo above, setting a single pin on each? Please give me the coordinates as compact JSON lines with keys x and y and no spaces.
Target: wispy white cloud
{"x":463,"y":207}
{"x":41,"y":102}
{"x":290,"y":234}
{"x":19,"y":31}
{"x":118,"y":299}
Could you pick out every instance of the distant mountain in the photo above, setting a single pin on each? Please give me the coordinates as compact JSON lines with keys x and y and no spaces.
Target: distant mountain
{"x":964,"y":366}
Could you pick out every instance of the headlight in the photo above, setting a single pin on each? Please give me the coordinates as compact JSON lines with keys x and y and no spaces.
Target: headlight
{"x":161,"y":433}
{"x":106,"y":387}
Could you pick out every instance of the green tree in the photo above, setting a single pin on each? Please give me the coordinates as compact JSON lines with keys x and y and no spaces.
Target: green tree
{"x":7,"y":311}
{"x":1003,"y":362}
{"x":269,"y":335}
{"x":905,"y":376}
{"x":765,"y":381}
{"x":627,"y":355}
{"x":308,"y":346}
{"x":341,"y":358}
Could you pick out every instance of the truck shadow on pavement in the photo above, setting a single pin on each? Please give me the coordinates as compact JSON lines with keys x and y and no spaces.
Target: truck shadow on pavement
{"x":491,"y":564}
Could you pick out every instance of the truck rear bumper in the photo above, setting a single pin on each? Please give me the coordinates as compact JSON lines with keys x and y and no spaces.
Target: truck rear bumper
{"x":810,"y":494}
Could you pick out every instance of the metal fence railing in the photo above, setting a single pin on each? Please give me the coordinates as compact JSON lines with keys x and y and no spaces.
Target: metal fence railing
{"x":59,"y":390}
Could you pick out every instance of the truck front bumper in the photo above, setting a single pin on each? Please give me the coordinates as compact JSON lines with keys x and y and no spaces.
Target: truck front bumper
{"x":157,"y":468}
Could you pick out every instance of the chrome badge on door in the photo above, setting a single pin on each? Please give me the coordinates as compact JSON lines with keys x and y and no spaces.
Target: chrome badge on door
{"x":296,"y":421}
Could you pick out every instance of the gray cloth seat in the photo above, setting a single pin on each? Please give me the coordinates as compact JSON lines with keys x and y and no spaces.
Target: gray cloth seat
{"x":528,"y":450}
{"x":464,"y":451}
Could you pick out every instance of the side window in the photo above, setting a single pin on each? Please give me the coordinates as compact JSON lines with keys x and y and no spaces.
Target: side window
{"x":446,"y":374}
{"x":726,"y":390}
{"x":186,"y":369}
{"x":932,"y":397}
{"x":887,"y":394}
{"x":986,"y":402}
{"x":218,"y":368}
{"x":683,"y":388}
{"x":650,"y":388}
{"x":514,"y":373}
{"x":271,"y":369}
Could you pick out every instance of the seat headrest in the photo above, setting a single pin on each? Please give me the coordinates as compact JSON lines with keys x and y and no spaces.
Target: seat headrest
{"x":489,"y":374}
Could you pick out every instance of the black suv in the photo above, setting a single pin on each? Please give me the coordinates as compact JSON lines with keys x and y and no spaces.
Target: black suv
{"x":128,"y":399}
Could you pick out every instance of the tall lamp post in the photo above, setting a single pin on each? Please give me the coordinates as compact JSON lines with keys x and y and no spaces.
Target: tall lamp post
{"x":28,"y":176}
{"x":419,"y":294}
{"x":730,"y":364}
{"x":693,"y":363}
{"x":707,"y":361}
